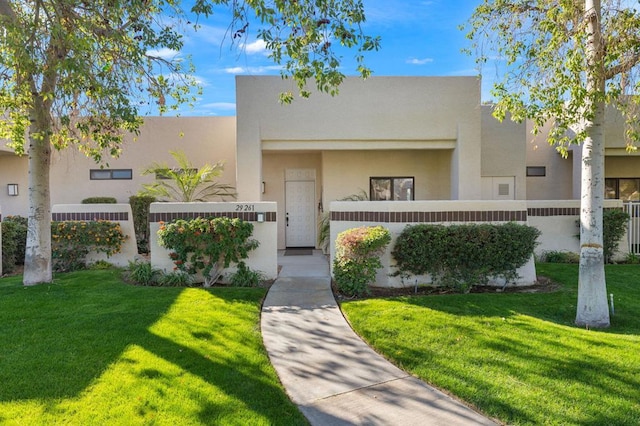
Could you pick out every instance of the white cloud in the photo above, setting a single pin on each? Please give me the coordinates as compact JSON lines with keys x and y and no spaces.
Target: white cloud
{"x":258,"y":46}
{"x":252,"y":70}
{"x":416,"y":61}
{"x":228,"y":106}
{"x":164,"y":53}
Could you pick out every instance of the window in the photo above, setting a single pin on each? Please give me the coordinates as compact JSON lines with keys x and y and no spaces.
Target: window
{"x":626,"y":189}
{"x":110,"y":174}
{"x":391,"y":188}
{"x":536,"y":171}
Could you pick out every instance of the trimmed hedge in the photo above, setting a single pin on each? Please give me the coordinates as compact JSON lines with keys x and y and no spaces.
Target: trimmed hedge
{"x":14,"y":242}
{"x":614,"y":226}
{"x":357,"y":259}
{"x":461,"y":256}
{"x":100,"y":200}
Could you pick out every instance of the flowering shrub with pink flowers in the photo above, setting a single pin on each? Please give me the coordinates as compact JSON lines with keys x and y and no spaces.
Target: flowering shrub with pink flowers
{"x":357,"y":258}
{"x":207,"y":245}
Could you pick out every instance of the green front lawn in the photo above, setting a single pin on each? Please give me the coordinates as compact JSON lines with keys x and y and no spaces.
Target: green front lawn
{"x":90,"y":349}
{"x":518,"y":357}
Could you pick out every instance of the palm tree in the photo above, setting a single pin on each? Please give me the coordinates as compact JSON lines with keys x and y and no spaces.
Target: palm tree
{"x":186,"y":183}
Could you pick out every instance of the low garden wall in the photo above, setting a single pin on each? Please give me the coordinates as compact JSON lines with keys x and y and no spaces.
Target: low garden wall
{"x":261,"y":214}
{"x":396,"y":215}
{"x":120,"y":213}
{"x":559,"y":220}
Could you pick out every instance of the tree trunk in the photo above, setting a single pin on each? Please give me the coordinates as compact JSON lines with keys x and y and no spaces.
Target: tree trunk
{"x":37,"y":262}
{"x":592,"y":309}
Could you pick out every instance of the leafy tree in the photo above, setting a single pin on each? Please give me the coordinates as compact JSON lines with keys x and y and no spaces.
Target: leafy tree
{"x":77,"y":73}
{"x":186,"y":183}
{"x":565,"y":61}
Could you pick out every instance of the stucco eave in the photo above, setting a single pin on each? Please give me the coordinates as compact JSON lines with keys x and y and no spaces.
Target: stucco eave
{"x":620,"y":152}
{"x":348,"y":145}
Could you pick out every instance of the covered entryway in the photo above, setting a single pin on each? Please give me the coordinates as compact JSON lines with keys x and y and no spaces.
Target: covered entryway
{"x":300,"y":208}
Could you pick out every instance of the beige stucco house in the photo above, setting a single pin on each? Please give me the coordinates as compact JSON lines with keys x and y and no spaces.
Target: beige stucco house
{"x":393,"y":138}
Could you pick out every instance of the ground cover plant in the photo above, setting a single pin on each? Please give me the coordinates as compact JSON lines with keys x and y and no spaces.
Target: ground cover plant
{"x":518,"y":356}
{"x":90,"y":349}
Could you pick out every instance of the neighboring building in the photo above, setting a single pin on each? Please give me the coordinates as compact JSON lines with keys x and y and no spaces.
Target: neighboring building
{"x":405,"y":138}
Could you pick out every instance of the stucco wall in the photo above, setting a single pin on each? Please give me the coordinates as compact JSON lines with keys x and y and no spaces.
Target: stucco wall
{"x":503,"y":150}
{"x":380,"y":113}
{"x":558,"y":221}
{"x":88,"y":212}
{"x":622,"y":166}
{"x":347,"y":173}
{"x":13,"y":169}
{"x":263,"y":259}
{"x":558,"y":182}
{"x":396,"y":215}
{"x":203,"y":139}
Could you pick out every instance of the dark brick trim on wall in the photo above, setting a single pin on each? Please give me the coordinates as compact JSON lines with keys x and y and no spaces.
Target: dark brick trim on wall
{"x":554,"y":211}
{"x":558,"y":211}
{"x":88,"y":216}
{"x":426,"y":217}
{"x":246,"y":216}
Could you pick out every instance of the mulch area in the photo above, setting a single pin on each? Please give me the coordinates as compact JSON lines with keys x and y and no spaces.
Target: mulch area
{"x":543,"y":285}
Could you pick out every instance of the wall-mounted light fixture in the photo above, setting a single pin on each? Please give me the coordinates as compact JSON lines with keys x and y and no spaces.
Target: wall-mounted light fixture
{"x":12,"y":189}
{"x":264,"y":187}
{"x":260,"y":217}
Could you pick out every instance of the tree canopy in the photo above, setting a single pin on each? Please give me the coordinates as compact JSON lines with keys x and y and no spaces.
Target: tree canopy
{"x":540,"y":48}
{"x":79,"y":73}
{"x":563,"y":62}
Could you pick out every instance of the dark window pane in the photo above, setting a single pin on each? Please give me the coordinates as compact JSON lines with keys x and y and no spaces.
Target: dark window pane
{"x":629,"y":189}
{"x":380,"y":189}
{"x":536,"y":171}
{"x":611,"y":188}
{"x":99,"y":174}
{"x":121,"y":174}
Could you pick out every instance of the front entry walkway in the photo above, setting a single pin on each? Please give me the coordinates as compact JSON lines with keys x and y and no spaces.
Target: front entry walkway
{"x":329,"y":372}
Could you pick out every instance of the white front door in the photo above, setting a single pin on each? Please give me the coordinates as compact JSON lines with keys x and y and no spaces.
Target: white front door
{"x":300,"y":214}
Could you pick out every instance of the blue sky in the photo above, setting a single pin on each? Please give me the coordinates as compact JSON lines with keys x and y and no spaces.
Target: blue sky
{"x":419,"y":38}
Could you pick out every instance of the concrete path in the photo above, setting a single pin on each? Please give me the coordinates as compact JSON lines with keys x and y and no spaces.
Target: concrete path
{"x":329,"y":372}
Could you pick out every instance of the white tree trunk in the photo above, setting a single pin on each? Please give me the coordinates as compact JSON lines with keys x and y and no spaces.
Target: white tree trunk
{"x":592,"y":309}
{"x":37,"y":262}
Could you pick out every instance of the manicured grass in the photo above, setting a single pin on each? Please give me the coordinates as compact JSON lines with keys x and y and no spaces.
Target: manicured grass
{"x":518,"y":357}
{"x":90,"y":349}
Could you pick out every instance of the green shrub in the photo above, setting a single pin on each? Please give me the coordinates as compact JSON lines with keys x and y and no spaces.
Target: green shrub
{"x":100,"y":265}
{"x":324,"y":225}
{"x":142,"y":273}
{"x":207,"y":246}
{"x":140,"y":210}
{"x":554,"y":256}
{"x":357,"y":258}
{"x":14,"y":241}
{"x":176,"y":278}
{"x":614,"y":226}
{"x":71,"y":241}
{"x":245,"y":277}
{"x":100,"y":200}
{"x":461,"y":256}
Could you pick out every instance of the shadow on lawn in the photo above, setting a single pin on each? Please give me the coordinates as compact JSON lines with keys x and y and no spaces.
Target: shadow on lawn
{"x":58,"y":338}
{"x":61,"y":338}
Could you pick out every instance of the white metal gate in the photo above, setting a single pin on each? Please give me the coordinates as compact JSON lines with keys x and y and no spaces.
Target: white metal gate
{"x":633,"y":209}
